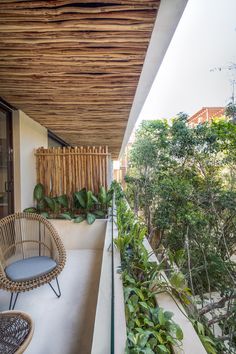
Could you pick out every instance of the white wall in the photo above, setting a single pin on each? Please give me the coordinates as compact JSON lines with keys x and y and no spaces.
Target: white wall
{"x":28,"y":135}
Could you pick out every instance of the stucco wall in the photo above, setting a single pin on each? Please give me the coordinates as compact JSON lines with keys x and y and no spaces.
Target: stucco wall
{"x":27,"y":136}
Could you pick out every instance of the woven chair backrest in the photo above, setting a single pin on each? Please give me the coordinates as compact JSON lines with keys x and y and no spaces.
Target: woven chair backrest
{"x":24,"y":235}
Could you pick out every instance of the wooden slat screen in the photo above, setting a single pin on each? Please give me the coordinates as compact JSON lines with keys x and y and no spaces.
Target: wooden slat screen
{"x":68,"y":169}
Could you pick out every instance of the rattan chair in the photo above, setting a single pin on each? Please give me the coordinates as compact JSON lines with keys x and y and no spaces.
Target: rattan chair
{"x":31,"y":254}
{"x":16,"y":331}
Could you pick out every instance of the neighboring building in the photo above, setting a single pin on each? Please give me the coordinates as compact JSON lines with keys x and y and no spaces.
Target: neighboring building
{"x":206,"y":114}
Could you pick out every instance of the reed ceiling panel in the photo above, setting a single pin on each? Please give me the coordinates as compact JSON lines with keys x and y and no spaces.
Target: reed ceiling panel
{"x":74,"y":66}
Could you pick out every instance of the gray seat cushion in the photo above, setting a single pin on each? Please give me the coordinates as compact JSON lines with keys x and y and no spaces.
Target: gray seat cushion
{"x":29,"y":268}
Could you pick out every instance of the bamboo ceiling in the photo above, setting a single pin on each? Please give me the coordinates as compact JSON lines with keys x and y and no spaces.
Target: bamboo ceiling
{"x":74,"y":66}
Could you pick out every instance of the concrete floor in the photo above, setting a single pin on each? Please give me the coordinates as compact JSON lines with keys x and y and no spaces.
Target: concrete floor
{"x":64,"y":325}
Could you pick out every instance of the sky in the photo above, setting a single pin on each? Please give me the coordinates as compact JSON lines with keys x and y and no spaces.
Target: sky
{"x":187,"y":81}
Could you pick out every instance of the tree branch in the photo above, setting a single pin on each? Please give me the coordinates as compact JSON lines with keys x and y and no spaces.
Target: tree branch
{"x":219,"y":318}
{"x":217,"y":305}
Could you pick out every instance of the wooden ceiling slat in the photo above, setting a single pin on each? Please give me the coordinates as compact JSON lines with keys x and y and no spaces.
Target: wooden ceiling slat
{"x":29,"y":4}
{"x":74,"y":66}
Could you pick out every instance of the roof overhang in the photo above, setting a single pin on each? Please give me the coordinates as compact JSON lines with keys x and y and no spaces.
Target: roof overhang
{"x":74,"y":66}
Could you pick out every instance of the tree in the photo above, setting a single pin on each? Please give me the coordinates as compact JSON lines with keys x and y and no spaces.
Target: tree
{"x":187,"y":193}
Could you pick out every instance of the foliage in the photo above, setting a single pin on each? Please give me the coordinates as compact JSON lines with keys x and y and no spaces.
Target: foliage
{"x":230,"y":111}
{"x":150,"y":329}
{"x":84,"y":206}
{"x":187,"y":197}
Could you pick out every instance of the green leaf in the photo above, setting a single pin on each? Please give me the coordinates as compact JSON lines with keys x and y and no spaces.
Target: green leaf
{"x":142,"y":339}
{"x":178,"y":280}
{"x":41,"y":205}
{"x":161,"y":317}
{"x":153,"y":342}
{"x":65,"y":216}
{"x":134,"y":300}
{"x":109,"y":196}
{"x":38,"y":192}
{"x":90,"y":200}
{"x":79,"y":219}
{"x":30,"y":210}
{"x":94,"y":199}
{"x":82,"y":197}
{"x":148,"y":322}
{"x":132,"y":338}
{"x":63,"y":200}
{"x":200,"y":328}
{"x":168,"y":315}
{"x":144,"y":305}
{"x":162,"y":349}
{"x":159,"y":337}
{"x":179,"y":333}
{"x":131,"y":308}
{"x":139,"y":293}
{"x":90,"y":218}
{"x":102,"y":195}
{"x":51,"y":203}
{"x":99,"y":213}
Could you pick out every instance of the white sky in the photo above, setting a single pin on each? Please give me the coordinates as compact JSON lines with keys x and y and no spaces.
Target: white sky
{"x":204,"y":39}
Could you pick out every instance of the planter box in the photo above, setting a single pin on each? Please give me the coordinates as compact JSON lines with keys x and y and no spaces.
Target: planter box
{"x":81,"y":235}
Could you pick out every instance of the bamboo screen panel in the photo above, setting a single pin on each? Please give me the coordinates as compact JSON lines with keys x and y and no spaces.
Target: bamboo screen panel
{"x":68,"y":169}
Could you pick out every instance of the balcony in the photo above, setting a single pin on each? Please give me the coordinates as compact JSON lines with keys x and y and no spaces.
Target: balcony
{"x":65,"y":325}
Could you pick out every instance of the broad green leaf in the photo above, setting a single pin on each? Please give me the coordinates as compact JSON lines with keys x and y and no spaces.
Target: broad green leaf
{"x":134,"y":300}
{"x":79,"y":219}
{"x":153,"y":342}
{"x":200,"y":328}
{"x":159,"y":337}
{"x":90,"y":218}
{"x":132,"y":338}
{"x":99,"y":213}
{"x":65,"y":216}
{"x":147,"y":351}
{"x":63,"y":200}
{"x":168,"y":315}
{"x":38,"y":192}
{"x":144,"y":305}
{"x":130,"y":307}
{"x":51,"y":203}
{"x":94,"y":199}
{"x":90,"y":201}
{"x":178,"y":280}
{"x":148,"y":322}
{"x":142,"y":339}
{"x":102,"y":195}
{"x":109,"y":196}
{"x":82,"y":197}
{"x":139,"y":293}
{"x":179,"y":333}
{"x":161,"y":317}
{"x":162,"y":349}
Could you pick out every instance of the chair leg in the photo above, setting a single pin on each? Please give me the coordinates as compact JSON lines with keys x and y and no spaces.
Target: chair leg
{"x":13,"y":303}
{"x":58,"y":294}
